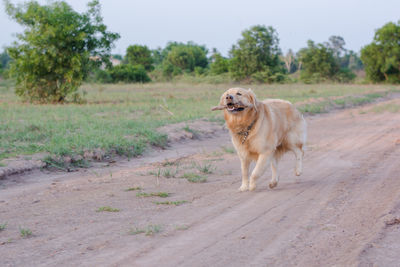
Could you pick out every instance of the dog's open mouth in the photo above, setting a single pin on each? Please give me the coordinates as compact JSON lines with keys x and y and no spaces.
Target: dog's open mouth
{"x":234,"y":107}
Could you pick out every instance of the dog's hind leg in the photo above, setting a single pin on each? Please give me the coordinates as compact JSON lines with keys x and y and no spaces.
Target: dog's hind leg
{"x":275,"y":175}
{"x":259,"y":169}
{"x":298,"y":152}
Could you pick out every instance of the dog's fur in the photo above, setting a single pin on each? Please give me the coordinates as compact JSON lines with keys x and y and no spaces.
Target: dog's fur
{"x":273,"y":127}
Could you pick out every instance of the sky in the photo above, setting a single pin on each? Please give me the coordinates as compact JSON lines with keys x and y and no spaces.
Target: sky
{"x":219,"y":23}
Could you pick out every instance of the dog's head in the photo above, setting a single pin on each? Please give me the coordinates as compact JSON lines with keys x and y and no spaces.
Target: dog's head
{"x":237,"y":101}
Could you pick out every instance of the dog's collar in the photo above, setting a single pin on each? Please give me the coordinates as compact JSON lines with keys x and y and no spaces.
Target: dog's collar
{"x":246,"y":132}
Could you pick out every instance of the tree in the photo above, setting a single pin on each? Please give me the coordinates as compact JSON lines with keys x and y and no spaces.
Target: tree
{"x":319,"y":63}
{"x":381,"y":58}
{"x":336,"y":44}
{"x":185,"y":57}
{"x":257,"y":51}
{"x":289,"y":60}
{"x":219,"y":64}
{"x":139,"y":55}
{"x":56,"y":47}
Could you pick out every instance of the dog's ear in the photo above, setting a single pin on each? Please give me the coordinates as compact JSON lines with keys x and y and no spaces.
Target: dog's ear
{"x":253,"y":98}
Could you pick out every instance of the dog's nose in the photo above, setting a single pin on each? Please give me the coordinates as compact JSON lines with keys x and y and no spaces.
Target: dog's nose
{"x":229,"y":97}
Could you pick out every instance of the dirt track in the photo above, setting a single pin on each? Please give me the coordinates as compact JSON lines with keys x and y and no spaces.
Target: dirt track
{"x":340,"y":212}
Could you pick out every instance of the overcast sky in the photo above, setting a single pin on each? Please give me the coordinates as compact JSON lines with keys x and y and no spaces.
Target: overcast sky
{"x":218,"y":23}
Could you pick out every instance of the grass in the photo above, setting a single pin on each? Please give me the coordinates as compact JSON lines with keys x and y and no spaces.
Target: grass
{"x":206,"y":168}
{"x":25,"y":232}
{"x":153,"y":194}
{"x":194,"y":177}
{"x":229,"y":150}
{"x":122,"y":119}
{"x":138,"y":188}
{"x":107,"y":209}
{"x":3,"y":226}
{"x":149,"y":230}
{"x":176,"y":203}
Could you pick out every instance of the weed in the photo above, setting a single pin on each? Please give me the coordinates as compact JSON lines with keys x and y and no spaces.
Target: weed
{"x":154,"y":194}
{"x":169,"y":173}
{"x":153,"y":229}
{"x":25,"y":232}
{"x":3,"y":226}
{"x":133,"y":189}
{"x":181,"y":227}
{"x":192,"y":131}
{"x":136,"y":231}
{"x":206,"y":168}
{"x":194,"y":177}
{"x":229,"y":150}
{"x":176,"y":203}
{"x":107,"y":208}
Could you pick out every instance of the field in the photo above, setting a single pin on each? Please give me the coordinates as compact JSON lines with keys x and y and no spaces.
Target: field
{"x":123,"y":119}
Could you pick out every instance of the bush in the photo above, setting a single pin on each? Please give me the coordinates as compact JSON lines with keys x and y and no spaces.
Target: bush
{"x":127,"y":73}
{"x":345,"y":75}
{"x":269,"y":77}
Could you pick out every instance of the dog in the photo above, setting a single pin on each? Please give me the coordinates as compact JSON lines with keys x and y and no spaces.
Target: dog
{"x":262,"y":131}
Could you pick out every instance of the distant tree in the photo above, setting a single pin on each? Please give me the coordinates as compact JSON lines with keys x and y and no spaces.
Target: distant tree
{"x":56,"y":47}
{"x":317,"y":62}
{"x":336,"y":44}
{"x":321,"y":62}
{"x":139,"y":55}
{"x":218,"y":64}
{"x":381,"y":58}
{"x":257,"y":51}
{"x":117,"y":56}
{"x":4,"y":59}
{"x":185,"y":57}
{"x":289,"y":60}
{"x":157,"y":56}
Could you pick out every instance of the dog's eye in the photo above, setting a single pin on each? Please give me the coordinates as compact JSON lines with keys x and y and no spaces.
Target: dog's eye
{"x":238,"y":93}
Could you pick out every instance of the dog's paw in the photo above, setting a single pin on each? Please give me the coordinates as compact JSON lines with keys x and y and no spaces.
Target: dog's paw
{"x":243,"y":187}
{"x":252,"y":186}
{"x":273,"y":184}
{"x":298,"y":172}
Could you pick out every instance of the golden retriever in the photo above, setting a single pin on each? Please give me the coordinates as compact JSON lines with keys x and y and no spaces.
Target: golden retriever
{"x":262,"y":131}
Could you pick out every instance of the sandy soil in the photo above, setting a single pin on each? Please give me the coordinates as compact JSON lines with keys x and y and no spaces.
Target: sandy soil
{"x":341,"y":212}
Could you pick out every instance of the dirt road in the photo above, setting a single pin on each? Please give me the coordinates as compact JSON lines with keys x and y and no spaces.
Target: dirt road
{"x":341,"y":212}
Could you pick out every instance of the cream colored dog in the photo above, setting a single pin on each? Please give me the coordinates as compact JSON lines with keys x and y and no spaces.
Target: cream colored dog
{"x":263,"y":132}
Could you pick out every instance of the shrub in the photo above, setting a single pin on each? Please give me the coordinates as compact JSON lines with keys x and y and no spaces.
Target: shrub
{"x":128,"y":73}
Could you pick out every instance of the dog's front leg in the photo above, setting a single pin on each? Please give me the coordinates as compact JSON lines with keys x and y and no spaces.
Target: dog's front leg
{"x":259,"y":169}
{"x":245,"y":163}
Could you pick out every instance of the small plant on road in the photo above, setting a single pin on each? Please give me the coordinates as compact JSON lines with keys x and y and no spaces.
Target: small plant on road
{"x":107,"y":208}
{"x":25,"y":232}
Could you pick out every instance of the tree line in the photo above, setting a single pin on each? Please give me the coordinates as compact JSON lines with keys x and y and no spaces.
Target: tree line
{"x":61,"y":48}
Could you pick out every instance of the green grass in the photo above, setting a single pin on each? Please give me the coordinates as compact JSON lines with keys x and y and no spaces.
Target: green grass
{"x":107,"y":209}
{"x":206,"y":168}
{"x":194,"y":177}
{"x":133,"y":189}
{"x":176,"y":203}
{"x":122,"y":119}
{"x":3,"y":226}
{"x":229,"y":150}
{"x":149,"y":230}
{"x":153,"y":194}
{"x":25,"y":232}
